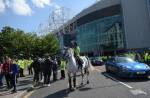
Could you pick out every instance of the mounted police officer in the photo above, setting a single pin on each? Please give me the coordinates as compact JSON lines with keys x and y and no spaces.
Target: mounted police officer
{"x":76,"y":49}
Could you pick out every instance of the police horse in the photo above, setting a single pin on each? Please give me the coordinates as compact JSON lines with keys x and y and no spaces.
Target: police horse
{"x":72,"y":68}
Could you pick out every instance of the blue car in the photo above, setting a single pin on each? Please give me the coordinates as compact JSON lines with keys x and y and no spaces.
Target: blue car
{"x":126,"y":67}
{"x":96,"y":61}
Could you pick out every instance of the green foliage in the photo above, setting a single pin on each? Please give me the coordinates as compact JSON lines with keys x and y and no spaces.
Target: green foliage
{"x":15,"y":42}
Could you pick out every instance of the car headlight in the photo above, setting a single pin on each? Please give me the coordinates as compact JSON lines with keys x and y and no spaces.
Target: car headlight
{"x":147,"y":66}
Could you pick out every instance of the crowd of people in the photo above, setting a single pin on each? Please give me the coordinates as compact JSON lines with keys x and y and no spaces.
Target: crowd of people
{"x":10,"y":70}
{"x":139,"y":56}
{"x":40,"y":68}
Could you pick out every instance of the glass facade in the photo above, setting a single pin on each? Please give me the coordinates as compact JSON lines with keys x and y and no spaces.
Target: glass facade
{"x":148,"y":6}
{"x":102,"y":34}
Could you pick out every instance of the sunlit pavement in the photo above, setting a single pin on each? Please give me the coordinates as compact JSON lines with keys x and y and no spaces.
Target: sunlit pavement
{"x":102,"y":85}
{"x":22,"y":86}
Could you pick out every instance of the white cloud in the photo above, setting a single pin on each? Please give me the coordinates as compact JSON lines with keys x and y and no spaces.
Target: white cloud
{"x":41,"y":3}
{"x":2,"y":6}
{"x":20,"y":7}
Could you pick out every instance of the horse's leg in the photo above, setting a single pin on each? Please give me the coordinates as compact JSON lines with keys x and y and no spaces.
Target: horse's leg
{"x":74,"y":80}
{"x":70,"y":82}
{"x":82,"y":74}
{"x":87,"y":75}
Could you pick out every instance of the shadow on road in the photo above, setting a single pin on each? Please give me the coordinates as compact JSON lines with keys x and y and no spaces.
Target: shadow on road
{"x":85,"y":89}
{"x":116,"y":78}
{"x":24,"y":82}
{"x":60,"y":94}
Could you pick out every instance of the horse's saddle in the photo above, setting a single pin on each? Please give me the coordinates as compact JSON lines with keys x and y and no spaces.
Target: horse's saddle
{"x":79,"y":61}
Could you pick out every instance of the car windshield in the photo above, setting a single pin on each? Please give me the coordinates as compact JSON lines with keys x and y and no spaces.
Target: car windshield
{"x":95,"y":58}
{"x":124,"y":60}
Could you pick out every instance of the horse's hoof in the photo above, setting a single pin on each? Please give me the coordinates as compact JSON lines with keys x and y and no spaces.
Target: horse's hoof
{"x":88,"y":82}
{"x":75,"y":88}
{"x":71,"y":89}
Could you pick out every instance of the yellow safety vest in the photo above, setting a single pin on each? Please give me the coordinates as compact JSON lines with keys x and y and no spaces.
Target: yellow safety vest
{"x":63,"y":65}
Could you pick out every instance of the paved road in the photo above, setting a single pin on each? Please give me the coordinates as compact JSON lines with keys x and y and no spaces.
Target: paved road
{"x":102,"y":85}
{"x":23,"y":84}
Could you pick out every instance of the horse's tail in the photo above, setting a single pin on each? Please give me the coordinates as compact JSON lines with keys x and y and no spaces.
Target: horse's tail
{"x":90,"y":66}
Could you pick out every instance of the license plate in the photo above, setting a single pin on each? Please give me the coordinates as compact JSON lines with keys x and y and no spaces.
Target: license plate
{"x":140,"y":72}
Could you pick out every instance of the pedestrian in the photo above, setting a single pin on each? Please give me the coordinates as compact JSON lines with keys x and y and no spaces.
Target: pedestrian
{"x":146,"y":57}
{"x":6,"y":71}
{"x":47,"y":70}
{"x":138,"y":57}
{"x":36,"y":68}
{"x":41,"y":61}
{"x":62,"y":68}
{"x":1,"y":75}
{"x":55,"y":69}
{"x":13,"y":73}
{"x":29,"y":62}
{"x":21,"y":67}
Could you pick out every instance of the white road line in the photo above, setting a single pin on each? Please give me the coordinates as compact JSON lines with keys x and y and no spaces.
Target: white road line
{"x":119,"y":81}
{"x":116,"y":80}
{"x":20,"y":94}
{"x":138,"y":92}
{"x":134,"y":92}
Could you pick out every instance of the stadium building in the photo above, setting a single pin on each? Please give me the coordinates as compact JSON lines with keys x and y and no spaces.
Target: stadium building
{"x":109,"y":26}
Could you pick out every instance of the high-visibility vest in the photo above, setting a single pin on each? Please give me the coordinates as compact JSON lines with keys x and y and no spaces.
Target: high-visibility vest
{"x":146,"y":57}
{"x":77,"y":51}
{"x":63,"y":65}
{"x":21,"y":64}
{"x":30,"y":62}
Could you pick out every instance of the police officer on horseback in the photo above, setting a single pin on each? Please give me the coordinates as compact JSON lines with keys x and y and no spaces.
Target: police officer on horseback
{"x":76,"y":49}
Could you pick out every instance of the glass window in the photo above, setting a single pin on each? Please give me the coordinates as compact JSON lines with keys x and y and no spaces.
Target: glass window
{"x":105,"y":33}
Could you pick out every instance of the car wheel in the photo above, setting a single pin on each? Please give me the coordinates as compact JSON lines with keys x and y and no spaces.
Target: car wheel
{"x":119,"y":73}
{"x":147,"y":77}
{"x":107,"y":69}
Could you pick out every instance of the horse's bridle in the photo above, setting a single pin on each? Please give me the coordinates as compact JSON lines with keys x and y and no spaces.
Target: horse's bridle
{"x":66,"y":54}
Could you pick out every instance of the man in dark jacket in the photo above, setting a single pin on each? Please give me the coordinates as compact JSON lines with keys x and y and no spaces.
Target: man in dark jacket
{"x":55,"y":68}
{"x":36,"y":67}
{"x":13,"y":72}
{"x":47,"y":69}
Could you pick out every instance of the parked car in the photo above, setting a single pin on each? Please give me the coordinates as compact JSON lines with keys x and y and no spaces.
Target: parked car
{"x":96,"y":61}
{"x":126,"y":67}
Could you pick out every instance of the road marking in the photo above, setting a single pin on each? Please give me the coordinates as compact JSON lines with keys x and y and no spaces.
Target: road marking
{"x":20,"y":94}
{"x":119,"y":81}
{"x":134,"y":92}
{"x":29,"y":94}
{"x":116,"y":80}
{"x":138,"y":92}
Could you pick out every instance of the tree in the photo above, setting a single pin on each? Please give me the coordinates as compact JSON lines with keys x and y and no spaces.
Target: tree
{"x":14,"y":42}
{"x":50,"y":44}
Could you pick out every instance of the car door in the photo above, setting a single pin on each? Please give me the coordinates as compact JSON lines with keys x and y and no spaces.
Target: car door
{"x":111,"y":64}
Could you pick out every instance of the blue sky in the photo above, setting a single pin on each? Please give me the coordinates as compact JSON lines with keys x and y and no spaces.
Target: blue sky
{"x":28,"y":14}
